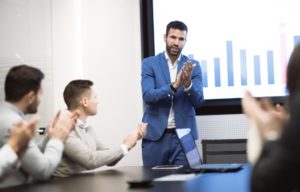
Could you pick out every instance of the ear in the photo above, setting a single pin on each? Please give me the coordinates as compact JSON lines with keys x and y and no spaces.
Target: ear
{"x":84,"y":101}
{"x":165,"y":38}
{"x":30,"y":96}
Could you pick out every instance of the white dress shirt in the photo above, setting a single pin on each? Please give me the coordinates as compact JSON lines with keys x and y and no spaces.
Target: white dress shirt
{"x":173,"y":74}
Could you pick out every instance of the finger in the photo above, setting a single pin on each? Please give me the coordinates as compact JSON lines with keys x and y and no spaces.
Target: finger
{"x":142,"y":130}
{"x":267,"y":104}
{"x":279,"y":108}
{"x":249,"y":104}
{"x":32,"y":123}
{"x":56,"y":118}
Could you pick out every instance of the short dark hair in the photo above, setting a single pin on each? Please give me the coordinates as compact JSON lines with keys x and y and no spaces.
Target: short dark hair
{"x":293,"y":71}
{"x":20,"y":80}
{"x":74,"y":90}
{"x":176,"y":25}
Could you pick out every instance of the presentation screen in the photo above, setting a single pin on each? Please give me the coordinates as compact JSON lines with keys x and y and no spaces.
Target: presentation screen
{"x":240,"y":45}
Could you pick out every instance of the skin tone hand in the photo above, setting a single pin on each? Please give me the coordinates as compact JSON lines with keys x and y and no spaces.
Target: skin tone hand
{"x":179,"y":80}
{"x":267,"y":118}
{"x":135,"y":135}
{"x":187,"y":70}
{"x":20,"y":135}
{"x":142,"y":129}
{"x":184,"y":76}
{"x":62,"y":125}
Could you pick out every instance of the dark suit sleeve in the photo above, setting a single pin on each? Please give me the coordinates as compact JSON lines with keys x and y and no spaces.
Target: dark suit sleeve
{"x":279,"y":165}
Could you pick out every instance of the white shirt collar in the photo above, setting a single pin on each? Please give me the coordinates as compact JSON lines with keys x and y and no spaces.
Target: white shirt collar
{"x":82,"y":125}
{"x":169,"y":60}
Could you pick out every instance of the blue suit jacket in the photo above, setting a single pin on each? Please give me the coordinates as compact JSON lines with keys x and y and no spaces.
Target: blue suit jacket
{"x":157,"y":95}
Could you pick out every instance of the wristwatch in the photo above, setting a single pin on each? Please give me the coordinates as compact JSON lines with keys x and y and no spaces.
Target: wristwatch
{"x":173,"y":88}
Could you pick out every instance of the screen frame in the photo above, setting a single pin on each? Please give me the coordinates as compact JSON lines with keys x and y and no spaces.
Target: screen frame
{"x":211,"y":106}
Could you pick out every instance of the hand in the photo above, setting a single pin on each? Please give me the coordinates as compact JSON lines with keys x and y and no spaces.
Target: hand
{"x":20,"y":135}
{"x":187,"y":71}
{"x":268,"y":119}
{"x":131,"y":139}
{"x":135,"y":135}
{"x":179,"y":80}
{"x":142,"y":129}
{"x":62,"y":125}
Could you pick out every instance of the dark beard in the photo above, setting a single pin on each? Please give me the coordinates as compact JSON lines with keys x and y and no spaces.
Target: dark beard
{"x":32,"y":108}
{"x":169,"y":51}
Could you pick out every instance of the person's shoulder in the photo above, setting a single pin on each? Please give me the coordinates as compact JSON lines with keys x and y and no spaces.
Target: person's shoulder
{"x":154,"y":57}
{"x":8,"y":117}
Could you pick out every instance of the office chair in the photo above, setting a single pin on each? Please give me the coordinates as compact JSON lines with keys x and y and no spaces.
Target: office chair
{"x":224,"y":151}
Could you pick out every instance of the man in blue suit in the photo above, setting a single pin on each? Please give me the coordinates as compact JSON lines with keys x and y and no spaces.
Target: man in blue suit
{"x":172,"y":90}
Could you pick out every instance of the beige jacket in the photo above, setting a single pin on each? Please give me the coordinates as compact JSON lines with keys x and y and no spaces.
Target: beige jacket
{"x":83,"y":151}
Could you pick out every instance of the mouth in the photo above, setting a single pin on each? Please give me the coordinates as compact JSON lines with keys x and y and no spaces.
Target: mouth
{"x":174,"y":49}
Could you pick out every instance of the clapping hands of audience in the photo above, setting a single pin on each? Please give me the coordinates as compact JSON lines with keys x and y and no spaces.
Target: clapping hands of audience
{"x":62,"y":125}
{"x":20,"y":135}
{"x":269,"y":119}
{"x":135,"y":135}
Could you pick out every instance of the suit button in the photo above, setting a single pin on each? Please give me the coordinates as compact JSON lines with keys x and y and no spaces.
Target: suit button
{"x":169,"y":95}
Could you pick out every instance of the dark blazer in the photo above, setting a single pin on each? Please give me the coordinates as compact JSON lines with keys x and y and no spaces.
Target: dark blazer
{"x":157,"y":95}
{"x":278,"y":168}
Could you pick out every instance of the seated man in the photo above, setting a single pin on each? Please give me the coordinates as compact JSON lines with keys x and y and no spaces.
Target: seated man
{"x":83,"y":151}
{"x":23,"y":93}
{"x":18,"y":140}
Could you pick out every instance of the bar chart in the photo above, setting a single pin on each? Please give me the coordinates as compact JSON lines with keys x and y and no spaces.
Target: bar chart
{"x":214,"y":84}
{"x":241,"y":47}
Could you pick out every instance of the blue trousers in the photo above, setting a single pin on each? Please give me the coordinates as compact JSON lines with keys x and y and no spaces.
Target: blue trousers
{"x":165,"y":151}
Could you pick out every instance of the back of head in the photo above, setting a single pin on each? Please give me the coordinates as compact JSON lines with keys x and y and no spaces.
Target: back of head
{"x":176,"y":25}
{"x":293,"y":72}
{"x":74,"y":90}
{"x":20,"y":80}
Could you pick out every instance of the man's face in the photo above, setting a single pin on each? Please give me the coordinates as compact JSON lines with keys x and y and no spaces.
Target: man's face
{"x":33,"y":105}
{"x":175,"y":41}
{"x":92,"y":104}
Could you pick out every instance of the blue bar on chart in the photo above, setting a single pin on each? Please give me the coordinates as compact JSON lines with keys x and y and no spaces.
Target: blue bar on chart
{"x":229,"y":54}
{"x":256,"y":70}
{"x":217,"y":72}
{"x":270,"y":60}
{"x":243,"y":67}
{"x":203,"y":65}
{"x":296,"y":40}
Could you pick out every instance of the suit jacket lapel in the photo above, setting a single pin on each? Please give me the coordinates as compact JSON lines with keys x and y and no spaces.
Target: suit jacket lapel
{"x":180,"y":64}
{"x":164,"y":67}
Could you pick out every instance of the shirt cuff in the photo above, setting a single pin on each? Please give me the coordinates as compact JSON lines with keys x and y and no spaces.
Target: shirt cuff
{"x":124,"y":149}
{"x":10,"y":154}
{"x":188,"y":88}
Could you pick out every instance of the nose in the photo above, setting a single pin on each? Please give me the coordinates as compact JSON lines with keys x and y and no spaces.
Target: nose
{"x":176,"y":41}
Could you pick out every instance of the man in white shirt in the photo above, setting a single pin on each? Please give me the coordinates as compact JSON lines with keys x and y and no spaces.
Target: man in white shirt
{"x":23,"y":93}
{"x":172,"y":92}
{"x":83,"y":151}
